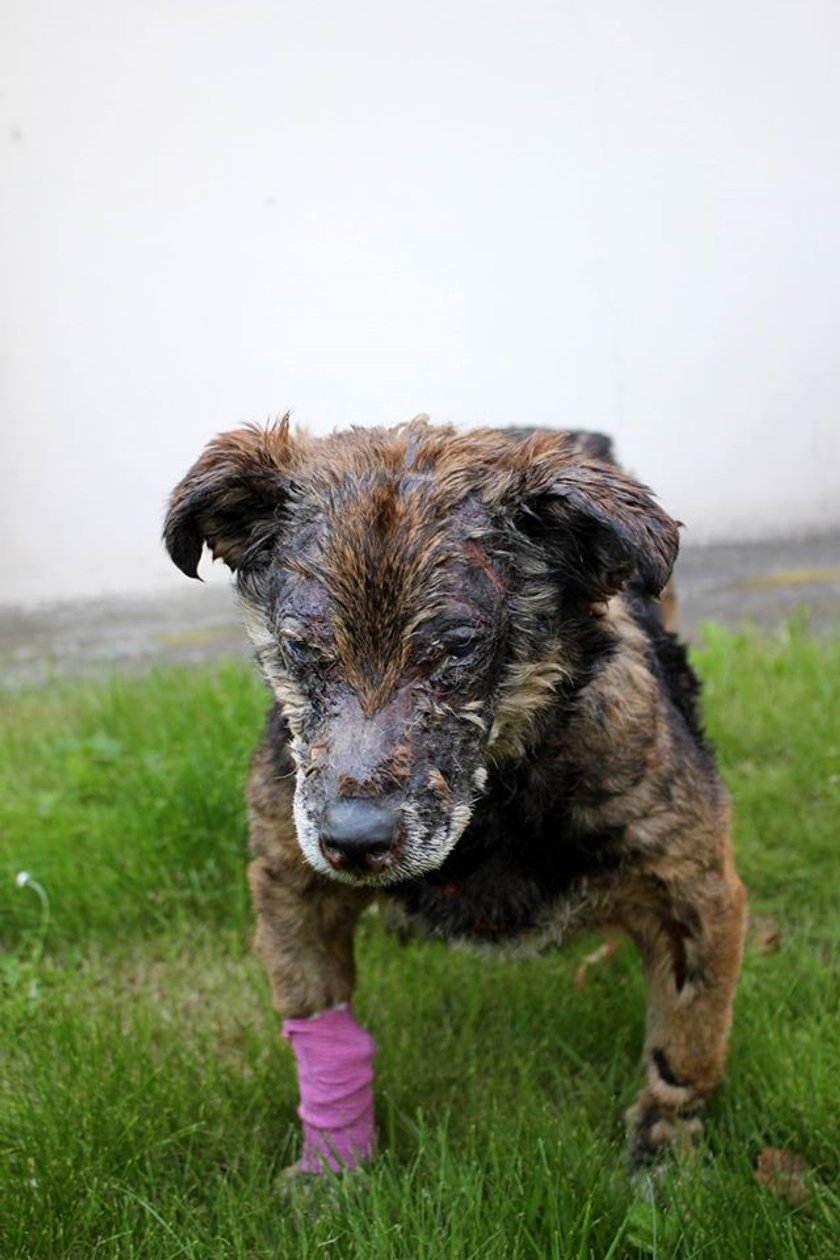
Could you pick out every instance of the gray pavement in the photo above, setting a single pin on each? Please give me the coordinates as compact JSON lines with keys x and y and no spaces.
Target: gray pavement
{"x":730,"y":583}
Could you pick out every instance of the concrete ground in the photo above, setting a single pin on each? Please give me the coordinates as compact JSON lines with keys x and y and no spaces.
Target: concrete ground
{"x":765,"y":583}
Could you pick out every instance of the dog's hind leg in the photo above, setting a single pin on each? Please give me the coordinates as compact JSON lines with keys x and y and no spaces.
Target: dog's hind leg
{"x":691,"y":946}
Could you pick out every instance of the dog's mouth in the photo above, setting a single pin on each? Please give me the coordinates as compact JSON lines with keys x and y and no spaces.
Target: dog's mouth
{"x":375,"y":844}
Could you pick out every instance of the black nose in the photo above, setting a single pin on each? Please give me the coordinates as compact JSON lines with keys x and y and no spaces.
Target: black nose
{"x":360,"y":834}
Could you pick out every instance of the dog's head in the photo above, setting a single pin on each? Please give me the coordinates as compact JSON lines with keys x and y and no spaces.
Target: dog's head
{"x":416,"y":598}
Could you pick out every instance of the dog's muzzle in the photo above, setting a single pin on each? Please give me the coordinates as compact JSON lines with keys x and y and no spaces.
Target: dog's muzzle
{"x":361,"y":836}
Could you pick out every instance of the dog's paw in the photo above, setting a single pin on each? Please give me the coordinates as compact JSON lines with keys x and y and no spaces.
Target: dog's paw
{"x":656,"y":1132}
{"x":297,"y":1185}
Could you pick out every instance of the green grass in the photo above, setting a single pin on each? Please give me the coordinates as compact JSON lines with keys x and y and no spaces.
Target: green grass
{"x":148,"y":1103}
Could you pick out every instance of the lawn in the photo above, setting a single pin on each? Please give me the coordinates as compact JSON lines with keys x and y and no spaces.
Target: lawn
{"x":148,"y":1103}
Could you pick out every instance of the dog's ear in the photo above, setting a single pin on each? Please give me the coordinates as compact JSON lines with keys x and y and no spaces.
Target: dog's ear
{"x":232,"y":498}
{"x":601,"y":525}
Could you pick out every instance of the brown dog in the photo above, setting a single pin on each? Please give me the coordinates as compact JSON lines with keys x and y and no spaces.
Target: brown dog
{"x":478,"y":716}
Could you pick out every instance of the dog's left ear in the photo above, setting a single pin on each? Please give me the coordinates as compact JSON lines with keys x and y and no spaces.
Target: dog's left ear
{"x":601,"y":524}
{"x":232,"y":498}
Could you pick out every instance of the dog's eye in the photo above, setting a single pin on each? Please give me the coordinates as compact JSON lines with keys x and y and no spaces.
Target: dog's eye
{"x":296,"y":650}
{"x":460,"y":645}
{"x":300,"y":651}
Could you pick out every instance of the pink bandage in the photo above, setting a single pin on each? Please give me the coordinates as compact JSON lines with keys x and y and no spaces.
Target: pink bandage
{"x":335,"y":1077}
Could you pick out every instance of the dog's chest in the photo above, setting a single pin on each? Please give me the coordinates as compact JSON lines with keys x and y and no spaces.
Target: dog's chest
{"x":495,"y":902}
{"x":507,"y":879}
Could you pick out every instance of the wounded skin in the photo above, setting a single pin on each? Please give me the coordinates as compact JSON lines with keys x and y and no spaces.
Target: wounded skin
{"x":468,"y":627}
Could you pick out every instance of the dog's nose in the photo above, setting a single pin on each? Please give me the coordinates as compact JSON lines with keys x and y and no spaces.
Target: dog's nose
{"x":359,"y":834}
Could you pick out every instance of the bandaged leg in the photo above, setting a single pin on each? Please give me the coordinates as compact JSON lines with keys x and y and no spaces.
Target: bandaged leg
{"x":335,"y":1076}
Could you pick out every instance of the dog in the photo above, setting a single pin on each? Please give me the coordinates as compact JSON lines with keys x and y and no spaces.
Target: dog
{"x":480,"y":720}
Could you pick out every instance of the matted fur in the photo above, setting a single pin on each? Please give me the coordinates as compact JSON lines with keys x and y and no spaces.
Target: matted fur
{"x":468,"y":626}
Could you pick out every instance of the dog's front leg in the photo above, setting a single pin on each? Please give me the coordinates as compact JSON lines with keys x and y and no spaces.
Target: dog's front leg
{"x":305,"y":940}
{"x":691,"y":945}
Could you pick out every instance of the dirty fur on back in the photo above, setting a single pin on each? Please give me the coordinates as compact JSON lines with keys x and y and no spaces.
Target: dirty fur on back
{"x":468,"y":627}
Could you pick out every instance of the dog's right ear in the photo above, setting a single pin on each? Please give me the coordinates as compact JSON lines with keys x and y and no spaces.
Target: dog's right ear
{"x":232,"y":498}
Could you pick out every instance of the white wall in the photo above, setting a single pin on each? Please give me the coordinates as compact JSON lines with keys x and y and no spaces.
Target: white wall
{"x":612,"y":213}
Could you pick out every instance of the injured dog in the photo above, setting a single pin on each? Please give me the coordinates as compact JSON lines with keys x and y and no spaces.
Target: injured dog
{"x":478,"y":718}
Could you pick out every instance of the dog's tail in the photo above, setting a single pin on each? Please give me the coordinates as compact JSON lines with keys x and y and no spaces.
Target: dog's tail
{"x":669,"y":606}
{"x":595,"y":445}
